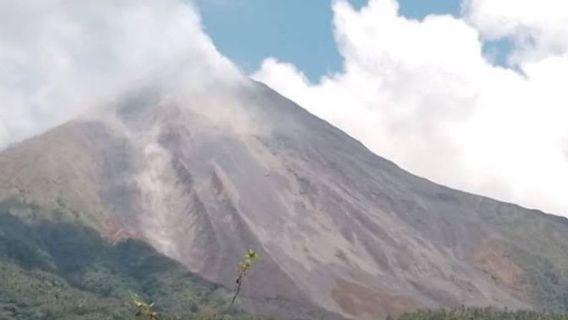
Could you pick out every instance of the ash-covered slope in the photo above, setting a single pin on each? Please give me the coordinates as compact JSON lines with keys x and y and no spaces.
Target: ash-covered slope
{"x":204,"y":177}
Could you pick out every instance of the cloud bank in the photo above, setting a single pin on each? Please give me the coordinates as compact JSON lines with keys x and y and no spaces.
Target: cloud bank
{"x":61,"y":57}
{"x":421,"y":93}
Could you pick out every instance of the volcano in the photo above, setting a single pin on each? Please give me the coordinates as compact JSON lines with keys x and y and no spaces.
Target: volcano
{"x":342,"y":232}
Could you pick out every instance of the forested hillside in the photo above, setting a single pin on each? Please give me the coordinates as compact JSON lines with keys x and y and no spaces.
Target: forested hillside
{"x":480,"y":314}
{"x":56,"y":270}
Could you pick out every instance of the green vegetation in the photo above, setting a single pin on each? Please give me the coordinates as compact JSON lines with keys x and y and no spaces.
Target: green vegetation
{"x":144,"y":309}
{"x":63,"y":271}
{"x":480,"y":314}
{"x":537,"y":244}
{"x":244,"y":268}
{"x":147,"y":310}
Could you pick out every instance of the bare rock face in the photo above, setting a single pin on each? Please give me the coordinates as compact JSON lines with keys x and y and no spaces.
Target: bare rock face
{"x":339,"y":229}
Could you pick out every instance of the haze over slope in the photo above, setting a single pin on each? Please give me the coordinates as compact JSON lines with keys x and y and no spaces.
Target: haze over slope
{"x":416,"y":92}
{"x":202,"y":176}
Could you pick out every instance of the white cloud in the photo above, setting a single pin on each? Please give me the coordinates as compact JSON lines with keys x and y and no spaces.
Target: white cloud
{"x":539,"y":28}
{"x":59,"y":57}
{"x":422,"y":94}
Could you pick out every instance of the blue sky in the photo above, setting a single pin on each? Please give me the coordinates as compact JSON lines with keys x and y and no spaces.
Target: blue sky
{"x":296,"y":31}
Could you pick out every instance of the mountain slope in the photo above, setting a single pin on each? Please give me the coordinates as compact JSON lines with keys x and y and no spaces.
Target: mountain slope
{"x":202,"y":178}
{"x":59,"y":270}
